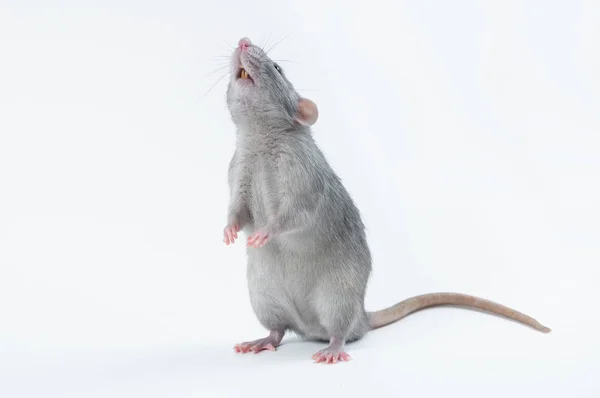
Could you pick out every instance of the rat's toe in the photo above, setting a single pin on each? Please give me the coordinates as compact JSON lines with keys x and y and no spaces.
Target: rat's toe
{"x":256,"y":346}
{"x":331,"y":355}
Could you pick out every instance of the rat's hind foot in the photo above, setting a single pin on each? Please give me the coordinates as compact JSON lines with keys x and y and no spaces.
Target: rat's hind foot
{"x":332,"y":354}
{"x":255,"y":346}
{"x":329,"y":355}
{"x":271,"y":342}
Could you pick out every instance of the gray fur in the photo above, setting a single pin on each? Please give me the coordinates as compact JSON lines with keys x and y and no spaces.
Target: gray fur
{"x":311,"y":276}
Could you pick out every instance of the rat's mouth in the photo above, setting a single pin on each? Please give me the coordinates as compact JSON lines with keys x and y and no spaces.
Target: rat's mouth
{"x":243,"y":74}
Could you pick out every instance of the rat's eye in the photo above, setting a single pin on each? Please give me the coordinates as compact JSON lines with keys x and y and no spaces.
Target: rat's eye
{"x":277,"y":67}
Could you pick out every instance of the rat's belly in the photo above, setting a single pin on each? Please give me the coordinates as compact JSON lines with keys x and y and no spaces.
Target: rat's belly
{"x":283,"y":287}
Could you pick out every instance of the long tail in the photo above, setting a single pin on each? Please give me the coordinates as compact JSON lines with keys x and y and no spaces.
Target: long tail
{"x":396,"y":312}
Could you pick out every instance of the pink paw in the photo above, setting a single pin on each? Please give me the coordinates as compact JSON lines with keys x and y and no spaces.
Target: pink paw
{"x":255,"y":346}
{"x":330,"y":356}
{"x":258,"y":239}
{"x":230,"y":234}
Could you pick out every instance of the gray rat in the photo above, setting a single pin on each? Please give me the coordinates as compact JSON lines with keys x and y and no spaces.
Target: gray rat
{"x":308,"y":257}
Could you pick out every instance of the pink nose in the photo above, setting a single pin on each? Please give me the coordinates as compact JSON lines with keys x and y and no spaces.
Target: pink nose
{"x":244,"y":43}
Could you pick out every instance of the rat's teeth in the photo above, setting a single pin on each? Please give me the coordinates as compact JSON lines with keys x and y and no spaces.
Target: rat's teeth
{"x":244,"y":74}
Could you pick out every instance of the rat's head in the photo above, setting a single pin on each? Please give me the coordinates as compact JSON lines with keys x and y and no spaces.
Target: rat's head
{"x":258,"y":88}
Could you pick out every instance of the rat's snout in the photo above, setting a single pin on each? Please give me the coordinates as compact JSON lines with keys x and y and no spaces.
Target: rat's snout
{"x":244,"y":43}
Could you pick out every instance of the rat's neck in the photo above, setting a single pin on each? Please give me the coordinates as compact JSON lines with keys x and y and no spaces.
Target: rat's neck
{"x":257,"y":134}
{"x":264,"y":124}
{"x":261,"y":118}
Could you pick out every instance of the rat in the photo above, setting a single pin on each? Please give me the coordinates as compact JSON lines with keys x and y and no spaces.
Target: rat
{"x":308,"y":259}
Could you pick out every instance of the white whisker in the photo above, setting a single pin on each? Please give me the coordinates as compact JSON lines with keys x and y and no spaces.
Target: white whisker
{"x":278,"y":43}
{"x":266,"y":42}
{"x":213,"y":86}
{"x":219,"y":69}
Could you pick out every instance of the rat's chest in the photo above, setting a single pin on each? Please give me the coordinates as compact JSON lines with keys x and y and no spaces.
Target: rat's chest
{"x":256,"y":177}
{"x":265,"y":188}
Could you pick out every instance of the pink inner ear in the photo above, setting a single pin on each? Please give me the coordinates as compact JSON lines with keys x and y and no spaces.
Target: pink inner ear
{"x":308,"y":113}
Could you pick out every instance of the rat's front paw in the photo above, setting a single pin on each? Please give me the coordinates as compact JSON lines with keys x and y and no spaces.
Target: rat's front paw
{"x":230,"y":233}
{"x":258,"y":239}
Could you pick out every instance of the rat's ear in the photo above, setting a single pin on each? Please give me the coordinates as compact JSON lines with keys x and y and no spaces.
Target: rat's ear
{"x":308,"y":113}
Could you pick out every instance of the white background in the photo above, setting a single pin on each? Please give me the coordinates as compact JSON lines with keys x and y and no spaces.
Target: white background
{"x":466,"y":131}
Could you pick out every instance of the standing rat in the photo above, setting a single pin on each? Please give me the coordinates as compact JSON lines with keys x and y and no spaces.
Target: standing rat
{"x":308,"y":257}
